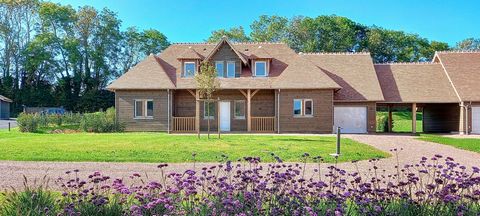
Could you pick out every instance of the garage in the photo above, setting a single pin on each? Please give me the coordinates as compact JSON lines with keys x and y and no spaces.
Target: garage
{"x":351,"y":119}
{"x":476,"y":120}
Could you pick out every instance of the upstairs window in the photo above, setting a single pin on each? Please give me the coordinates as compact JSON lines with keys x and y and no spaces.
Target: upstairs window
{"x":189,"y":69}
{"x":143,"y":109}
{"x":219,"y":68}
{"x":230,"y":69}
{"x":260,"y":68}
{"x":303,"y":107}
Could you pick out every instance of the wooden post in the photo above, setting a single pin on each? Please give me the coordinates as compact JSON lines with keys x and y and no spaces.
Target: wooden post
{"x":390,"y":119}
{"x":249,"y":111}
{"x":218,"y":117}
{"x":414,"y":118}
{"x":197,"y":112}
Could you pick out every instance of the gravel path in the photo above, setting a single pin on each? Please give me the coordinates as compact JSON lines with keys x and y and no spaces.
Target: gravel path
{"x":4,"y":124}
{"x":12,"y":172}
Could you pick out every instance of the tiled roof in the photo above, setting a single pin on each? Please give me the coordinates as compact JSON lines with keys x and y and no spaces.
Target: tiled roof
{"x":190,"y":54}
{"x":463,"y":68}
{"x":3,"y":98}
{"x":147,"y":74}
{"x":415,"y":83}
{"x":287,"y":70}
{"x":354,"y":72}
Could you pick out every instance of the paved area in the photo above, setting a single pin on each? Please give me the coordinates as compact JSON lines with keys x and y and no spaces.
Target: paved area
{"x":12,"y":172}
{"x":4,"y":124}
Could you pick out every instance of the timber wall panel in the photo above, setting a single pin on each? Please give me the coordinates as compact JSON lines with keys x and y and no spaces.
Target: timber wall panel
{"x":125,"y":110}
{"x":441,"y":118}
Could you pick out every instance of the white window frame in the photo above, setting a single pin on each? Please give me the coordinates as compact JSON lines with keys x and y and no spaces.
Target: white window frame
{"x":185,"y":68}
{"x":235,"y":109}
{"x":234,"y":69}
{"x":304,"y":106}
{"x":223,"y":67}
{"x":301,"y":107}
{"x":144,"y":109}
{"x":205,"y":110}
{"x":266,"y":69}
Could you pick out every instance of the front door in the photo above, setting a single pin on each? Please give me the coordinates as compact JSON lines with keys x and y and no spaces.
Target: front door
{"x":224,"y":115}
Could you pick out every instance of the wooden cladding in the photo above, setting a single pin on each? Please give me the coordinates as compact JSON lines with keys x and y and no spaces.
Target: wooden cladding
{"x":263,"y":124}
{"x":183,"y":124}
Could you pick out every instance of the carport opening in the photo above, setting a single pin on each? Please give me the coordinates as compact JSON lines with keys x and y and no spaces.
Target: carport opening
{"x":401,"y":119}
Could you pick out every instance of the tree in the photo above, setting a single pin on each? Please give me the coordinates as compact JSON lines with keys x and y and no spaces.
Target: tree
{"x":269,"y":29}
{"x":207,"y":83}
{"x":235,"y":34}
{"x":469,"y":44}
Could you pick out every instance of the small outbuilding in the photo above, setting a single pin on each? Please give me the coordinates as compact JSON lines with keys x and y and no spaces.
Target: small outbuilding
{"x":5,"y":107}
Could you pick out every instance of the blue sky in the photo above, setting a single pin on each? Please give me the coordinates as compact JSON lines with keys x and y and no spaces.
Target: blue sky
{"x":193,"y":21}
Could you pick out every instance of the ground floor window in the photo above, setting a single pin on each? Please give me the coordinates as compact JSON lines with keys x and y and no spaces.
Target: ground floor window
{"x":239,"y":109}
{"x":143,"y":108}
{"x":209,"y":110}
{"x":303,"y":107}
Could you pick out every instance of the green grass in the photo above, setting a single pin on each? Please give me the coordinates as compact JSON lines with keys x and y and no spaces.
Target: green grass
{"x":402,"y":121}
{"x":469,"y":144}
{"x":161,"y":147}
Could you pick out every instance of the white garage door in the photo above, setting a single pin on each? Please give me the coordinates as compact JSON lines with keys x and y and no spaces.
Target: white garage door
{"x":476,"y":120}
{"x":351,"y":119}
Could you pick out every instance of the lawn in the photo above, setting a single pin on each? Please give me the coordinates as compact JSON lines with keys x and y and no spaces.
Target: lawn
{"x":161,"y":147}
{"x":470,"y":144}
{"x":402,"y":121}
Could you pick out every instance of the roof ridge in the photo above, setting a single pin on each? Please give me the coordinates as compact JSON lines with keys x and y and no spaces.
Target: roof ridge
{"x":193,"y":43}
{"x":334,"y":53}
{"x":407,"y":63}
{"x":255,"y":42}
{"x":459,"y":51}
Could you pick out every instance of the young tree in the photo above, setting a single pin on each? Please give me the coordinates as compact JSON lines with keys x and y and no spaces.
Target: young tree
{"x":207,"y":84}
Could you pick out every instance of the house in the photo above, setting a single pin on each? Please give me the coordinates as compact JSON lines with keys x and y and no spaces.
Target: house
{"x":5,"y":107}
{"x":268,"y":87}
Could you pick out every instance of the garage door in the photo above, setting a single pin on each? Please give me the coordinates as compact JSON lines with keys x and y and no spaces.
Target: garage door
{"x":476,"y":120}
{"x":351,"y":119}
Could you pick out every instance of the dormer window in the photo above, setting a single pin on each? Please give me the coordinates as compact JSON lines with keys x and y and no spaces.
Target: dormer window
{"x":260,"y":69}
{"x":230,"y":69}
{"x":219,"y":68}
{"x":189,"y":69}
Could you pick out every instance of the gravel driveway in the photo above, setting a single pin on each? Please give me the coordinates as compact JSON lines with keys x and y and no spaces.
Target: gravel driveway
{"x":12,"y":172}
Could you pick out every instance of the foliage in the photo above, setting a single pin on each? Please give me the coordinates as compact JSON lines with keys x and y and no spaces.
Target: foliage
{"x":32,"y":201}
{"x":207,"y":84}
{"x":162,"y":147}
{"x":28,"y":122}
{"x":101,"y":122}
{"x":382,"y":123}
{"x":235,"y":34}
{"x":469,"y":44}
{"x":54,"y":55}
{"x":402,"y":121}
{"x":435,"y":186}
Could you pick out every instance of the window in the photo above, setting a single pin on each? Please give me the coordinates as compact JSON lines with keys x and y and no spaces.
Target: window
{"x":230,"y":69}
{"x":297,"y":107}
{"x":189,"y":69}
{"x":261,"y":68}
{"x":143,"y":109}
{"x":303,"y":107}
{"x":219,"y":68}
{"x":239,"y":109}
{"x":308,"y":104}
{"x":208,"y":110}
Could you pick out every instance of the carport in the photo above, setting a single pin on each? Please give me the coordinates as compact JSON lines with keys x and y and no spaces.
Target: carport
{"x":420,"y":87}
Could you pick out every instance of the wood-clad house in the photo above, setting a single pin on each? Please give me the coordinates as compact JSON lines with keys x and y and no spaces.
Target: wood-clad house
{"x":264,"y":87}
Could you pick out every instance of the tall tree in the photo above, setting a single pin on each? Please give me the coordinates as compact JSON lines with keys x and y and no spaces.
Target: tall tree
{"x":469,"y":44}
{"x":269,"y":29}
{"x":235,"y":34}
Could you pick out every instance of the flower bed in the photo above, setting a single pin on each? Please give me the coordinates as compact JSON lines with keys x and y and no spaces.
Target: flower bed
{"x":435,"y":186}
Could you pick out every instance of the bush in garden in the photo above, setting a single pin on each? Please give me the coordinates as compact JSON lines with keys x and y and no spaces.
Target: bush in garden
{"x":101,"y":122}
{"x":32,"y":201}
{"x":28,"y":122}
{"x":382,"y":123}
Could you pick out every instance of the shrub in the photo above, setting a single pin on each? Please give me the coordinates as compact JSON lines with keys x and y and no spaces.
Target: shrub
{"x":30,"y":202}
{"x":28,"y":122}
{"x":382,"y":123}
{"x":101,"y":122}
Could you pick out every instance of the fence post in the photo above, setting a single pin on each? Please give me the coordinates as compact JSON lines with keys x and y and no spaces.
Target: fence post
{"x":9,"y":126}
